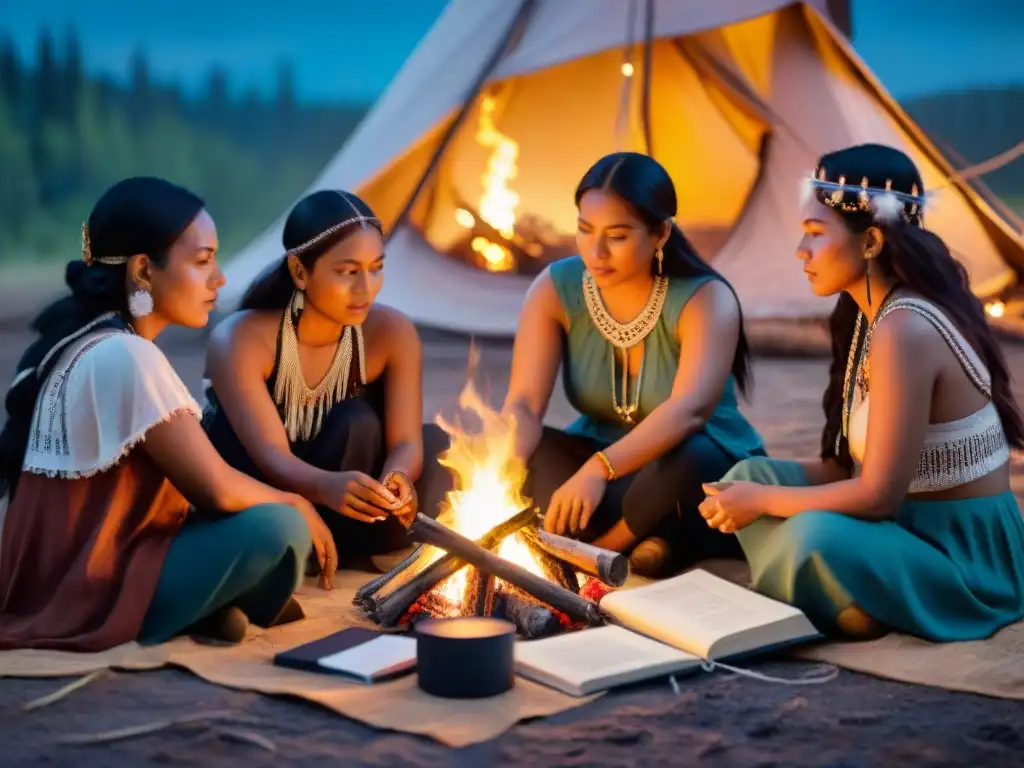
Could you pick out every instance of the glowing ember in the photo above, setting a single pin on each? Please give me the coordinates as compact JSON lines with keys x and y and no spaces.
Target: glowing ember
{"x":489,"y":480}
{"x":995,"y":309}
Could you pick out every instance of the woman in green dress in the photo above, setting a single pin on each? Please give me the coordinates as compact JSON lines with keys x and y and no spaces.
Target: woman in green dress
{"x":907,"y":520}
{"x":652,"y":347}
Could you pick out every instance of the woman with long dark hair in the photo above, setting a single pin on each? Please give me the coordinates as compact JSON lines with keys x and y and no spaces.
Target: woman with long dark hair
{"x":352,"y":442}
{"x":124,"y":523}
{"x":652,"y":345}
{"x":907,"y":521}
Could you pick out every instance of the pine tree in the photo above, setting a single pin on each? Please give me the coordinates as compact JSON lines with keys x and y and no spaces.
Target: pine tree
{"x":11,"y":76}
{"x":47,"y":79}
{"x":73,"y":78}
{"x":217,"y":98}
{"x":140,"y":97}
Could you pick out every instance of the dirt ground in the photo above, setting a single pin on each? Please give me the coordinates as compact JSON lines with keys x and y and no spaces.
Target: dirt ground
{"x":718,"y":719}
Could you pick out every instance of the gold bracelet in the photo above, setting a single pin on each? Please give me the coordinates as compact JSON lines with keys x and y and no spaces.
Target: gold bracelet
{"x":609,"y":470}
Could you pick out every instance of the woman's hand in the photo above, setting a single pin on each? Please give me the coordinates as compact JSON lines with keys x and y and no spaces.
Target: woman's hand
{"x":402,"y":487}
{"x":323,"y":541}
{"x":573,"y":504}
{"x":730,"y":507}
{"x":360,"y":497}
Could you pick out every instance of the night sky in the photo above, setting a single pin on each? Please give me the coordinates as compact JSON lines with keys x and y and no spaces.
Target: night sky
{"x":349,"y":50}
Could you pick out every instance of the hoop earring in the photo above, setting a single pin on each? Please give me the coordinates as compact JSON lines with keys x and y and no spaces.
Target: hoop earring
{"x":867,"y":280}
{"x":298,"y":302}
{"x":140,"y":303}
{"x":659,"y":256}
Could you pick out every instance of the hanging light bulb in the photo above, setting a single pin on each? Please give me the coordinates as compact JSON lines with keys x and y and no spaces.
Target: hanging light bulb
{"x":627,"y":70}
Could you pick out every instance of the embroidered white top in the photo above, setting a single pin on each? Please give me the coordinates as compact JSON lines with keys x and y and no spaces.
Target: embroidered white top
{"x":956,"y":452}
{"x":107,"y":390}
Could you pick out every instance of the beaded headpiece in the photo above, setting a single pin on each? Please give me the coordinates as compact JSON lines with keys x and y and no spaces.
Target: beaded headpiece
{"x":885,"y":204}
{"x":89,"y":259}
{"x":359,"y":217}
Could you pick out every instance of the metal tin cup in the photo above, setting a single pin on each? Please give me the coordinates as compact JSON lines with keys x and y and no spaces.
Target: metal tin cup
{"x":469,"y":657}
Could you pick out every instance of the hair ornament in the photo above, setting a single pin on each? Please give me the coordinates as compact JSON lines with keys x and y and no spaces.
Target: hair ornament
{"x":885,"y":204}
{"x":87,"y":256}
{"x":806,"y":189}
{"x":886,"y":207}
{"x":331,"y":230}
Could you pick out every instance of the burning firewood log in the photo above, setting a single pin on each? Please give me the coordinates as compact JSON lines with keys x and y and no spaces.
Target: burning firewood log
{"x":420,"y":553}
{"x":556,"y":570}
{"x":610,"y":567}
{"x":533,"y":620}
{"x":479,"y":598}
{"x":387,"y":604}
{"x":428,"y":531}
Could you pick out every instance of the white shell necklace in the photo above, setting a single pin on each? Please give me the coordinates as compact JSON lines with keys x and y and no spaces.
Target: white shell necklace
{"x":625,"y":336}
{"x":305,"y":408}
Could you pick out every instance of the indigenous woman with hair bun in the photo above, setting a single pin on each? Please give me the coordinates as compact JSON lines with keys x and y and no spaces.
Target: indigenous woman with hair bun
{"x":652,"y":345}
{"x":317,"y":389}
{"x":124,"y":523}
{"x":907,"y":521}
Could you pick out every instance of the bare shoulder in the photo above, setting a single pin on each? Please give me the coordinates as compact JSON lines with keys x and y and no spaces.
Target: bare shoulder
{"x":390,"y":326}
{"x":542,"y":298}
{"x":907,"y":330}
{"x":714,"y":301}
{"x":252,"y":331}
{"x":543,"y":286}
{"x":908,"y":345}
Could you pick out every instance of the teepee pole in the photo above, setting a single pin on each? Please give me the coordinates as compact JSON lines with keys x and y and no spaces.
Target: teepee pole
{"x":508,"y":40}
{"x":645,"y":91}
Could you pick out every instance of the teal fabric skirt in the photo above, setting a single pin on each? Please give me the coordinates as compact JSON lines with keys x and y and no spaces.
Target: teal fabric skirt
{"x":941,"y":570}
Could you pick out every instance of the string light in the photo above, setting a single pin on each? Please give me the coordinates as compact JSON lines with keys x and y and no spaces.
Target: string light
{"x":995,"y":309}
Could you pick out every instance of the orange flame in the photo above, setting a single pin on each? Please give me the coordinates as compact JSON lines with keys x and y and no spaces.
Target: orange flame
{"x":489,"y":479}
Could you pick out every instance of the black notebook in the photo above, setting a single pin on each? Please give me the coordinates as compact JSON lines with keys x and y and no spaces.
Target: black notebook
{"x":364,"y":655}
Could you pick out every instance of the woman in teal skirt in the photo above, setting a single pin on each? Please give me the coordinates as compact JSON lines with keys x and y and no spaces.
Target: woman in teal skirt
{"x":907,"y":521}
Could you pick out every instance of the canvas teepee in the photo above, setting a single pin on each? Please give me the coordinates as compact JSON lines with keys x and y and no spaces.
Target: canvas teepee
{"x":471,"y":156}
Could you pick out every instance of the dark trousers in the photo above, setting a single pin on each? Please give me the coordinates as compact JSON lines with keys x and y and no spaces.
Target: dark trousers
{"x":351,"y":439}
{"x":660,"y":499}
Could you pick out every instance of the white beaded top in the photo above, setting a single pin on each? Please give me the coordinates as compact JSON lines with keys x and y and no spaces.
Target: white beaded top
{"x":956,"y":452}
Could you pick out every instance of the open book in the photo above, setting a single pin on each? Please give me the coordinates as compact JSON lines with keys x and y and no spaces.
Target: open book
{"x":364,"y":655}
{"x":665,"y":627}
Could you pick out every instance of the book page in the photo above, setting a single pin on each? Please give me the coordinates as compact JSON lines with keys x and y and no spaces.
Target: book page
{"x":597,"y":655}
{"x":374,"y":657}
{"x":694,"y":610}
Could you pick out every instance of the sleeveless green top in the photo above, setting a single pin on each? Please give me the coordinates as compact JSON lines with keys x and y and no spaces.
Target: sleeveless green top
{"x":587,"y":378}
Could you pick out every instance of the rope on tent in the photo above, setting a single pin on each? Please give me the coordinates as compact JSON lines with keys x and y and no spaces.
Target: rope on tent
{"x":645,"y":93}
{"x":625,"y":98}
{"x":992,"y":164}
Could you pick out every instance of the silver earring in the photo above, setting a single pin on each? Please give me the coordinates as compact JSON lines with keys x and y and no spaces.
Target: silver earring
{"x":140,"y":303}
{"x":298,"y":302}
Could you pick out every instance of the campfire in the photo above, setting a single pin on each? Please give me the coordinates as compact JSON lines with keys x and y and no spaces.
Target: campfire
{"x":486,"y":554}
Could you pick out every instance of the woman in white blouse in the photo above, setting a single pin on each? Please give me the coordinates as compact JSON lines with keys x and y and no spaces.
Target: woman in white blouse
{"x":123,"y":522}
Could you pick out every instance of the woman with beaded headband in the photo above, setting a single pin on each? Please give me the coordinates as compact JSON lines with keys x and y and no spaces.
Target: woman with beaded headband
{"x":907,"y":520}
{"x":652,"y":346}
{"x":353,"y":443}
{"x":124,"y":523}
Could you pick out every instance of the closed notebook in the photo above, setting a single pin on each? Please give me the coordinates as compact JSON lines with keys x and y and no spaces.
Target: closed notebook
{"x":363,"y":655}
{"x":664,"y":628}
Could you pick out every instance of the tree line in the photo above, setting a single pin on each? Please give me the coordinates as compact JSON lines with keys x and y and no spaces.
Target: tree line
{"x":66,"y":135}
